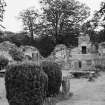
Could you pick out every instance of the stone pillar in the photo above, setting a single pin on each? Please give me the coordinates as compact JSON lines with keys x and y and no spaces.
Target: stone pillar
{"x":66,"y":86}
{"x":65,"y":83}
{"x":36,"y":58}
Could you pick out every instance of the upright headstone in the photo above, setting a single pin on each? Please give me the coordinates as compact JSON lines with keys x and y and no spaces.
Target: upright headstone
{"x":36,"y":57}
{"x":66,"y":86}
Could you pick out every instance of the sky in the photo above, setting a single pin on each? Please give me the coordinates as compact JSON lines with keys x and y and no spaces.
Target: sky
{"x":11,"y":23}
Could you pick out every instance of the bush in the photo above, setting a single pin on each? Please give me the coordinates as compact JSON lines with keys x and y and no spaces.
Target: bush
{"x":54,"y":73}
{"x":3,"y":62}
{"x":26,"y":84}
{"x":99,"y":67}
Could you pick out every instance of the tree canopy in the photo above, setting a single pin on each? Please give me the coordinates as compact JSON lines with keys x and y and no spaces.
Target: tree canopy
{"x":29,"y":18}
{"x":2,"y":9}
{"x":58,"y":23}
{"x":62,"y":17}
{"x":96,"y":26}
{"x":58,"y":18}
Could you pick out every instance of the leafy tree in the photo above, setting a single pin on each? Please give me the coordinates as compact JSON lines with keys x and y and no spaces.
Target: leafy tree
{"x":58,"y":18}
{"x":63,"y":17}
{"x":101,"y":22}
{"x":102,"y":8}
{"x":98,"y":19}
{"x":101,"y":14}
{"x":18,"y":39}
{"x":2,"y":6}
{"x":45,"y":45}
{"x":59,"y":23}
{"x":29,"y":19}
{"x":95,"y":23}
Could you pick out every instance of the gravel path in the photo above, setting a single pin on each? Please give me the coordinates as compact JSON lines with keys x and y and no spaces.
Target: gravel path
{"x":87,"y":93}
{"x":3,"y":100}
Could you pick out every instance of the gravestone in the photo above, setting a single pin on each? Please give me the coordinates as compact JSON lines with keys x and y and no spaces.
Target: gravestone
{"x":36,"y":57}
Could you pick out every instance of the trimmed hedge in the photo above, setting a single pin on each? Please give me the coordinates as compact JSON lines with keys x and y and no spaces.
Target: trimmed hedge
{"x":3,"y":62}
{"x":26,"y":84}
{"x":54,"y":73}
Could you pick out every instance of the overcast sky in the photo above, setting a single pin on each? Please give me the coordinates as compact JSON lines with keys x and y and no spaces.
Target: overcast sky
{"x":14,"y":6}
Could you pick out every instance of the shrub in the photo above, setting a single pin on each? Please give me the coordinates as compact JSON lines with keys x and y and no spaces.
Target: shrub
{"x":99,"y":67}
{"x":26,"y":84}
{"x":3,"y":62}
{"x":16,"y":54}
{"x":54,"y":73}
